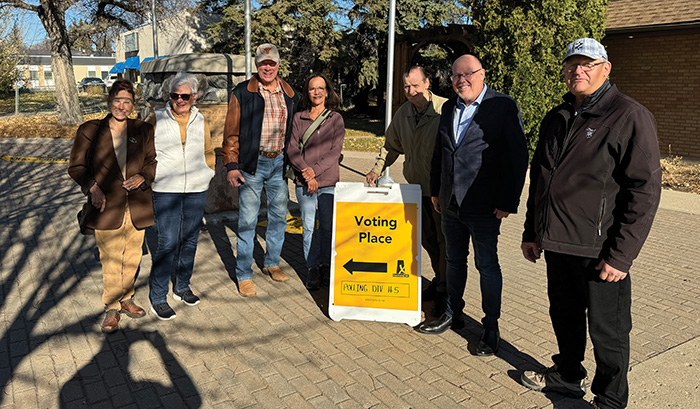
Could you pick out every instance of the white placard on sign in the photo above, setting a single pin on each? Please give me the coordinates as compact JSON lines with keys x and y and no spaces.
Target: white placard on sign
{"x":376,"y":258}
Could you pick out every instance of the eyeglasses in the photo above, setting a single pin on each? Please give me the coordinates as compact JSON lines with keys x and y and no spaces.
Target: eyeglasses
{"x":185,"y":97}
{"x":317,"y":89}
{"x":570,"y":69}
{"x":466,"y":76}
{"x":125,"y":101}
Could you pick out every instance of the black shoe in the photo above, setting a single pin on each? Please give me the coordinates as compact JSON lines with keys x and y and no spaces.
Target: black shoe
{"x":488,"y":343}
{"x":313,"y":280}
{"x":187,"y":297}
{"x":163,"y":311}
{"x":325,"y":271}
{"x":430,"y":292}
{"x":436,"y":326}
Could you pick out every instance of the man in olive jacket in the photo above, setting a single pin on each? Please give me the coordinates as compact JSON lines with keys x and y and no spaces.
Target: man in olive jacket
{"x":412,"y":133}
{"x":595,"y":185}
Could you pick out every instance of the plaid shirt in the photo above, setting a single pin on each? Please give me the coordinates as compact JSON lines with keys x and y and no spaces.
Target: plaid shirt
{"x":274,"y":124}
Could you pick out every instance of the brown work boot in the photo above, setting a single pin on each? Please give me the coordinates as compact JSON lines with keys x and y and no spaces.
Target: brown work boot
{"x":131,"y":309}
{"x":111,"y":322}
{"x":246,"y":288}
{"x":275,"y":273}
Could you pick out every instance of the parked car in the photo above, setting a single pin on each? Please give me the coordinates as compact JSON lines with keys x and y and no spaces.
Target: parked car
{"x":110,"y":79}
{"x":91,"y":82}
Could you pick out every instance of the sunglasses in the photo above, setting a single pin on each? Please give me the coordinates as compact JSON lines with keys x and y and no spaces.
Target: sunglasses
{"x":185,"y":97}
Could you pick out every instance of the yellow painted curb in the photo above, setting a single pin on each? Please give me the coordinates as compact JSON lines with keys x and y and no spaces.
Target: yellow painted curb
{"x":32,"y":159}
{"x":294,"y":224}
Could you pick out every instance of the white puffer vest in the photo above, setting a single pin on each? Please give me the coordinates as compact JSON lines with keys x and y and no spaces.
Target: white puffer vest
{"x":180,"y":170}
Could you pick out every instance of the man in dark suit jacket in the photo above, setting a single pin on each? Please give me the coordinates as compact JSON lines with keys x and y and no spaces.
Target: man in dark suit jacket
{"x":478,"y":172}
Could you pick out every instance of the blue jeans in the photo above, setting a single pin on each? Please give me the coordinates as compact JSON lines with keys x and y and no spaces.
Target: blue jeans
{"x":483,"y":230}
{"x":317,"y":243}
{"x":269,"y":176}
{"x":178,"y":220}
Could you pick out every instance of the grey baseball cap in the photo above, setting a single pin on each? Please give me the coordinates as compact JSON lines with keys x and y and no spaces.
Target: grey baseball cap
{"x":587,"y":47}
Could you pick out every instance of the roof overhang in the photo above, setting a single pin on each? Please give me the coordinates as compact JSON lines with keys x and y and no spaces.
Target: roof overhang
{"x":197,"y":63}
{"x":656,"y":27}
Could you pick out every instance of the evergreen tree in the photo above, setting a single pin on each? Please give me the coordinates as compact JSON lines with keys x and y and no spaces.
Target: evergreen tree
{"x":521,"y":44}
{"x":344,"y":39}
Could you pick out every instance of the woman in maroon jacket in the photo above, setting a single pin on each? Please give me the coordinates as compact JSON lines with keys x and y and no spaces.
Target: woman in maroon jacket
{"x":114,"y":162}
{"x":317,"y":170}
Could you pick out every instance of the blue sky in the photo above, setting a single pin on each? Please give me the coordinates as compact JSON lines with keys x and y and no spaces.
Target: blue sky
{"x":32,"y":29}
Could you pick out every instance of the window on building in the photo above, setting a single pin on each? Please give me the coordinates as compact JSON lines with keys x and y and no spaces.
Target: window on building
{"x":131,"y":42}
{"x":92,"y":72}
{"x":48,"y":76}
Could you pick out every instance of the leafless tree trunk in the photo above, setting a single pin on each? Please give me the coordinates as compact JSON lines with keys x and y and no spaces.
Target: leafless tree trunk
{"x":52,"y":14}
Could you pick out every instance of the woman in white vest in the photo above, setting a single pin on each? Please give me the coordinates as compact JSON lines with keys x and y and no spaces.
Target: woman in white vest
{"x":186,"y":159}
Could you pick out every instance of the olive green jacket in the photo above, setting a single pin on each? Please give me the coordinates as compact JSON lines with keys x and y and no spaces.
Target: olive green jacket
{"x":416,"y":141}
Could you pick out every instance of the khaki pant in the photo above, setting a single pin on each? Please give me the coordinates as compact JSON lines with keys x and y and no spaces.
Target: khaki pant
{"x":120,"y":254}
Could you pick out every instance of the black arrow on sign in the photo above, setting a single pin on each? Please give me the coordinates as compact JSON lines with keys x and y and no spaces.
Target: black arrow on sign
{"x":353,"y":266}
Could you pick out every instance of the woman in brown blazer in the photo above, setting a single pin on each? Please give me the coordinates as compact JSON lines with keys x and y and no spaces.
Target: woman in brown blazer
{"x":113,"y":161}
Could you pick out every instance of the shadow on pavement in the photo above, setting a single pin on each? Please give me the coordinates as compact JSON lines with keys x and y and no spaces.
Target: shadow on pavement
{"x":106,"y":377}
{"x":47,"y":274}
{"x":223,"y":245}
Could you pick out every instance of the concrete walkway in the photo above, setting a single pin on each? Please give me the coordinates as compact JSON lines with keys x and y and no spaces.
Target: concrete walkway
{"x":279,"y":349}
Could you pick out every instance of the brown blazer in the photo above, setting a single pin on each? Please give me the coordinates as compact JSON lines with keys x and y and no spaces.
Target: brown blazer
{"x":103,"y":169}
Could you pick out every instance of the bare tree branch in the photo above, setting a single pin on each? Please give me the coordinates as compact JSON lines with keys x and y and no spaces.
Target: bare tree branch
{"x":19,"y":5}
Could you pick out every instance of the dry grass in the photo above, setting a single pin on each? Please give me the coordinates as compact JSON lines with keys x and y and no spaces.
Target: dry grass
{"x":39,"y":126}
{"x":680,"y":174}
{"x":363,"y":144}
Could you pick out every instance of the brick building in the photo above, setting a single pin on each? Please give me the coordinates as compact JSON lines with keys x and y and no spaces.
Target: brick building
{"x":653,"y":46}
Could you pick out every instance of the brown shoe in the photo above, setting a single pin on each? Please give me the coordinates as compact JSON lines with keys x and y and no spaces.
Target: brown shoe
{"x":131,"y":309}
{"x":111,"y":322}
{"x":275,"y":273}
{"x":246,"y":288}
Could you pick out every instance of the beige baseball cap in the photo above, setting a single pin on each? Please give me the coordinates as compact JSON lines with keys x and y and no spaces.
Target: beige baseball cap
{"x":267,"y":52}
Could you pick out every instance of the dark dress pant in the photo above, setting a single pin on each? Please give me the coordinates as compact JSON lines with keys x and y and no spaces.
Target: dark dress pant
{"x":578,"y":296}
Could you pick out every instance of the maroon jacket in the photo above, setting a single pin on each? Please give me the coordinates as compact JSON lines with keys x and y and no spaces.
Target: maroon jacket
{"x":102,"y":168}
{"x":321,"y":151}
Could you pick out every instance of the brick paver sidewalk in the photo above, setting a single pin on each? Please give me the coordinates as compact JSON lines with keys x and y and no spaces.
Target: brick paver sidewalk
{"x":279,"y":349}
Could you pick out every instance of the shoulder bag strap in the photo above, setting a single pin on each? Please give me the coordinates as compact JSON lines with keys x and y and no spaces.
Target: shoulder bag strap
{"x":312,"y":128}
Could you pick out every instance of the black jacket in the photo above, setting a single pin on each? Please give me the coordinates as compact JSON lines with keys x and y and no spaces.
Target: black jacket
{"x":595,"y":180}
{"x":486,"y":171}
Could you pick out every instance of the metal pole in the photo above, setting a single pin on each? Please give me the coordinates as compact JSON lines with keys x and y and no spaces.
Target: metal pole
{"x":155,"y":29}
{"x":386,"y":179}
{"x":16,"y":99}
{"x":248,"y":59}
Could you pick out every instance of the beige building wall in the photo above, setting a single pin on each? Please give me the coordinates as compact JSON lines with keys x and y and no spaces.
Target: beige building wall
{"x":178,"y":34}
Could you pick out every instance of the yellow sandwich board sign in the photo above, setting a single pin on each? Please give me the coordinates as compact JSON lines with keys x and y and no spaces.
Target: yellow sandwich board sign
{"x":375,"y":268}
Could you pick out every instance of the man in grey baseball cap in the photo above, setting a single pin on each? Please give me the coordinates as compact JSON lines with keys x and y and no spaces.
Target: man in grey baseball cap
{"x":595,"y":185}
